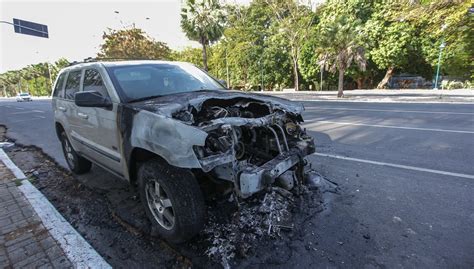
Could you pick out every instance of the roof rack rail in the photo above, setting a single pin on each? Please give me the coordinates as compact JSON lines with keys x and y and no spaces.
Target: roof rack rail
{"x":122,"y":59}
{"x":91,"y":60}
{"x":73,"y":63}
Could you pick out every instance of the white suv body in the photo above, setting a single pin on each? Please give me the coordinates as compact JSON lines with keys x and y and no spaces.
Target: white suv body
{"x":167,"y":127}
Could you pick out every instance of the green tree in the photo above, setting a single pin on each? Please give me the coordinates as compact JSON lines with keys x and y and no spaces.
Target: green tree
{"x":309,"y":61}
{"x":253,"y":49}
{"x":35,"y":78}
{"x":190,"y":55}
{"x":203,"y":21}
{"x":339,"y":46}
{"x":391,"y":40}
{"x":132,"y":43}
{"x":294,"y":21}
{"x":444,"y":21}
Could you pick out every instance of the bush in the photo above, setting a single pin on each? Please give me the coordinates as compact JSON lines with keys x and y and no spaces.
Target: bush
{"x":468,"y":85}
{"x":454,"y":84}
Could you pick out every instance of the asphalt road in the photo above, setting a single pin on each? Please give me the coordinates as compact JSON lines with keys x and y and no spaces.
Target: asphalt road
{"x":406,"y":172}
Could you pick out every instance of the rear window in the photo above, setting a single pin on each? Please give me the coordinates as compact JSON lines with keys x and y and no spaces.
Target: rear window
{"x":58,"y":88}
{"x":72,"y":84}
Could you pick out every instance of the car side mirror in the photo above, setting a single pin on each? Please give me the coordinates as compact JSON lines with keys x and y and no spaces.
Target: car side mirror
{"x":223,"y":82}
{"x":91,"y":99}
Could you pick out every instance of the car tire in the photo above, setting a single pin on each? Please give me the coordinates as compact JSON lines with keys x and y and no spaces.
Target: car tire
{"x":172,"y":199}
{"x":76,"y":163}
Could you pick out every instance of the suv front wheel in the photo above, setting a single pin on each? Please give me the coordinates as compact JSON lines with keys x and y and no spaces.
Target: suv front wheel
{"x":76,"y":163}
{"x":173,"y":200}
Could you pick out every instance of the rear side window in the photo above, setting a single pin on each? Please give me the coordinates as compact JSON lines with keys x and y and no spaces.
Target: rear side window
{"x":58,"y":89}
{"x":93,"y":82}
{"x":72,"y":84}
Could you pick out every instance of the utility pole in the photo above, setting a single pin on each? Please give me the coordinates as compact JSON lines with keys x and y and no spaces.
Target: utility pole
{"x":227,"y":69}
{"x":441,"y":47}
{"x":49,"y":73}
{"x":19,"y":83}
{"x":261,"y":74}
{"x":321,"y":84}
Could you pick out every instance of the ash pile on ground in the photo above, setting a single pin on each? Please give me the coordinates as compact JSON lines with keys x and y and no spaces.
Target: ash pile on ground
{"x":263,"y":220}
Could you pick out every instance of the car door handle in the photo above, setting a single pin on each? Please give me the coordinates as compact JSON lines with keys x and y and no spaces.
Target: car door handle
{"x":82,"y":115}
{"x":62,"y":108}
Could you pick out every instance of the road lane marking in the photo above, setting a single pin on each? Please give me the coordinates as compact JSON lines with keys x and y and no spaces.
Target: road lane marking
{"x":20,"y":108}
{"x":408,"y":167}
{"x":391,"y":110}
{"x":24,"y":112}
{"x":389,"y":126}
{"x":408,"y":101}
{"x":35,"y":118}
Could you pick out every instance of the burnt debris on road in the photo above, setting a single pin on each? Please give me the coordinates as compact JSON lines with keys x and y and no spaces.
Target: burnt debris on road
{"x":113,"y":221}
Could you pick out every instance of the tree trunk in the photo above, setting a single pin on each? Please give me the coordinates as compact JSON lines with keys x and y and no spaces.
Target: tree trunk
{"x":295,"y":70}
{"x":360,"y":83}
{"x":340,"y":85}
{"x":387,"y":77}
{"x":204,"y":53}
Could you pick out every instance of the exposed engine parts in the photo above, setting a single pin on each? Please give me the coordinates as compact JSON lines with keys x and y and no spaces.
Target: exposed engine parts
{"x":250,"y":143}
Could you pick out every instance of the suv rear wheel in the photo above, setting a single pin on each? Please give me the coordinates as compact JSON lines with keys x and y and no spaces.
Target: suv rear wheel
{"x":76,"y":163}
{"x":173,"y":200}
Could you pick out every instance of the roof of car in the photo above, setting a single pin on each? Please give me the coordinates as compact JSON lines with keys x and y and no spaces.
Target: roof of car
{"x":135,"y":62}
{"x":119,"y":63}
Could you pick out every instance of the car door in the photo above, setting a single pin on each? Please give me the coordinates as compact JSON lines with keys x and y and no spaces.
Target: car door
{"x":59,"y":108}
{"x":98,"y":125}
{"x":67,"y":106}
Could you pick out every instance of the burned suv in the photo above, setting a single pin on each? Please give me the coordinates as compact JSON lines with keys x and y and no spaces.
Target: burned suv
{"x":169,"y":128}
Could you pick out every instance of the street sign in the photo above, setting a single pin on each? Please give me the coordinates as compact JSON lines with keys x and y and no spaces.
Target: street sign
{"x":30,"y":28}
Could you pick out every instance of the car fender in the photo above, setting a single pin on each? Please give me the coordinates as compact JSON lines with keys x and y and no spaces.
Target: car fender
{"x":170,"y":139}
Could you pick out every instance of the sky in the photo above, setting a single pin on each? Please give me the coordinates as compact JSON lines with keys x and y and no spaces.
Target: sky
{"x":76,"y":27}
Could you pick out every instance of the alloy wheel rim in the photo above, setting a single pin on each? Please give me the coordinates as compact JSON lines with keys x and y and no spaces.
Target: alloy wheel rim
{"x":69,"y":155}
{"x":160,"y":205}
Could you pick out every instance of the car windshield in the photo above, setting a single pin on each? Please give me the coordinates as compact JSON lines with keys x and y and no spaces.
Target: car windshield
{"x":142,"y":81}
{"x":24,"y":94}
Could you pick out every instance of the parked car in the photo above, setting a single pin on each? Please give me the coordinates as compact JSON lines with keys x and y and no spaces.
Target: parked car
{"x":168,"y":127}
{"x":23,"y":97}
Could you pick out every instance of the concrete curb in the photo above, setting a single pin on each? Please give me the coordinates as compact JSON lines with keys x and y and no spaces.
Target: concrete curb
{"x":76,"y":248}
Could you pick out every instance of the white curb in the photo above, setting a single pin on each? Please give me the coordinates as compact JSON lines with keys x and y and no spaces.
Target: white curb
{"x":76,"y":248}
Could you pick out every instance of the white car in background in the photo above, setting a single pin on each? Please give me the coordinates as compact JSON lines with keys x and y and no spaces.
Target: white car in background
{"x":23,"y":97}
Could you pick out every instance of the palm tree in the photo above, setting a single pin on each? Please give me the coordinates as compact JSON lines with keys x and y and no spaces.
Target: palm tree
{"x":339,"y":47}
{"x":202,"y":21}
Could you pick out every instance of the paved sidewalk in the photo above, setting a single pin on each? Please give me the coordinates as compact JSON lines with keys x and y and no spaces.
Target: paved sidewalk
{"x":24,"y":241}
{"x":406,"y":95}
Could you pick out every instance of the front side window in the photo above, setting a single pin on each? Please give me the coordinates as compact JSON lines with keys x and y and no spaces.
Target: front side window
{"x":142,"y":81}
{"x":93,"y":82}
{"x":72,"y":84}
{"x":58,"y":88}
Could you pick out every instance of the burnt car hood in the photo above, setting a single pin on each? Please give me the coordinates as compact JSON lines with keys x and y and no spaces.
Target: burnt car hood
{"x":169,"y":104}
